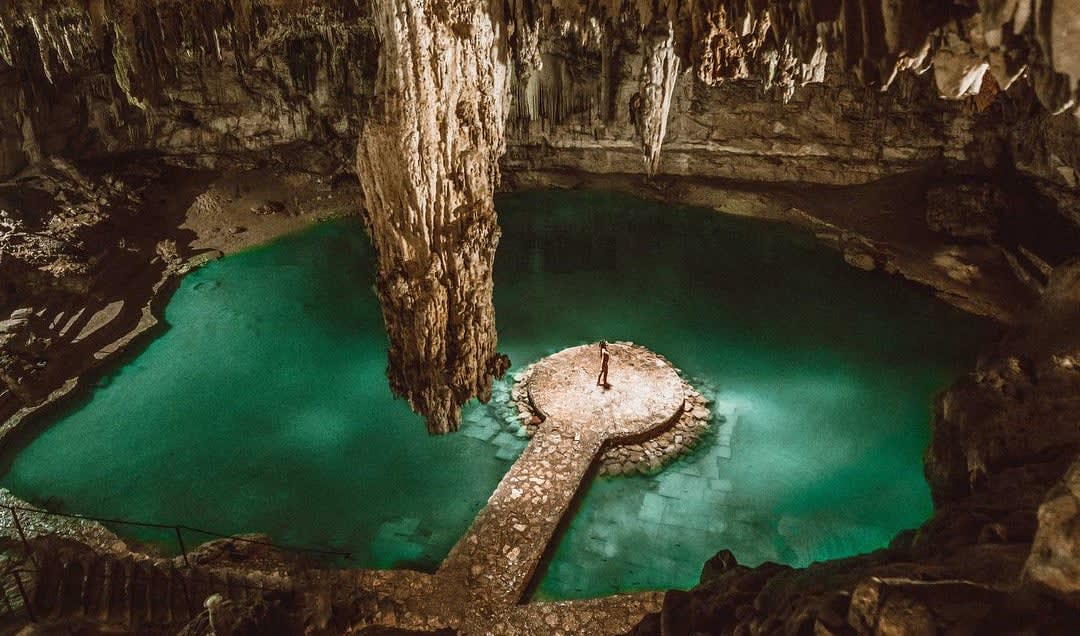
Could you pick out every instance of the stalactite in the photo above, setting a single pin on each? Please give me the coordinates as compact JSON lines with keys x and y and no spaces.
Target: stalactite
{"x":660,"y":70}
{"x":608,"y":66}
{"x":428,"y":164}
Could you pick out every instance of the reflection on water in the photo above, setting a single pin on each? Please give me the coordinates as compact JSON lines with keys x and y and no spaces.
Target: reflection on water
{"x":265,"y":406}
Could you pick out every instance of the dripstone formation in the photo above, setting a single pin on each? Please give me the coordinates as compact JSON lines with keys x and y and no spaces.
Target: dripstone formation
{"x":428,"y":163}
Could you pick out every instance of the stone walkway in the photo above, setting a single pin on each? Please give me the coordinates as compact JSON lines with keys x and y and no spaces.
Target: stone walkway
{"x":496,"y":559}
{"x":480,"y":584}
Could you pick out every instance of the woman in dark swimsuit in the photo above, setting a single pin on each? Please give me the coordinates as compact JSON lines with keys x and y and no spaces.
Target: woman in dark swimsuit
{"x":601,"y":380}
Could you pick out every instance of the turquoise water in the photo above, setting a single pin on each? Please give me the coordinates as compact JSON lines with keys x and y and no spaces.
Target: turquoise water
{"x":264,"y":407}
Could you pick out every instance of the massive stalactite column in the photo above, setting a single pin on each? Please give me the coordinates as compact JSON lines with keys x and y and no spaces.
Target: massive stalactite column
{"x":659,"y":72}
{"x":428,"y":164}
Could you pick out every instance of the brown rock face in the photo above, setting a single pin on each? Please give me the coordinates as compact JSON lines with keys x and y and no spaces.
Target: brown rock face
{"x":965,"y":211}
{"x":203,"y":78}
{"x":428,"y":164}
{"x":1055,"y":553}
{"x":975,"y":50}
{"x":1019,"y":407}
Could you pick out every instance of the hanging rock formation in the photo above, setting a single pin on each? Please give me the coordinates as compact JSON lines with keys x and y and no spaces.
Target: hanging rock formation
{"x":975,"y":49}
{"x":200,"y":78}
{"x":428,"y":164}
{"x":658,"y":76}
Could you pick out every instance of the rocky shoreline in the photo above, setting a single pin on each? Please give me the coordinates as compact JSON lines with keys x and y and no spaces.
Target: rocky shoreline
{"x":73,"y":328}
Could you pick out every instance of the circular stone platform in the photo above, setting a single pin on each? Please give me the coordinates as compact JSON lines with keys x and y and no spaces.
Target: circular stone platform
{"x":648,"y":414}
{"x":644,"y":391}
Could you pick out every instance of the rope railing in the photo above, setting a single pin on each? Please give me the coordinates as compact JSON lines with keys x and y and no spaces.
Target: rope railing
{"x":193,"y":575}
{"x":177,"y":528}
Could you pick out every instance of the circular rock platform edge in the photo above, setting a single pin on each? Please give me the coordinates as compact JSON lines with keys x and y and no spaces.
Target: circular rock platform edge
{"x":683,"y":432}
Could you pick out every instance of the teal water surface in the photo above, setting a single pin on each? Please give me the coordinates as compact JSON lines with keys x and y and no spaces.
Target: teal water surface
{"x":264,"y":407}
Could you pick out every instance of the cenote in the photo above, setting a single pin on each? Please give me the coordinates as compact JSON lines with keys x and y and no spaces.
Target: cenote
{"x":264,"y":406}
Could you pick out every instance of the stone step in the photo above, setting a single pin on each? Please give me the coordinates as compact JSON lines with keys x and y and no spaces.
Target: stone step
{"x":98,"y":589}
{"x":71,"y":590}
{"x":47,"y":588}
{"x":115,"y":606}
{"x":142,"y":612}
{"x":157,"y":597}
{"x":143,"y":595}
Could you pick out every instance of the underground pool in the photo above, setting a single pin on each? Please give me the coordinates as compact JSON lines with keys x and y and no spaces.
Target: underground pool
{"x":264,"y":406}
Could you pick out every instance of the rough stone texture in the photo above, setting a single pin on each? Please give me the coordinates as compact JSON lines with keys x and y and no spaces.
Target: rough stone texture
{"x":205,"y":78}
{"x":428,"y":163}
{"x":965,"y":211}
{"x":643,"y":392}
{"x":723,"y":124}
{"x":1019,"y":407}
{"x":1055,"y":552}
{"x":495,"y":560}
{"x":562,"y":384}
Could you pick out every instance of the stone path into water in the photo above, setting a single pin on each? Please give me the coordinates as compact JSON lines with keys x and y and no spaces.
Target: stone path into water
{"x":479,"y":586}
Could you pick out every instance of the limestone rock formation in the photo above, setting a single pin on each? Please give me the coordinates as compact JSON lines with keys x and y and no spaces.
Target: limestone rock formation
{"x":975,"y":52}
{"x":966,"y":210}
{"x":1017,"y":409}
{"x":428,"y":163}
{"x":199,"y":79}
{"x":658,"y":76}
{"x":1055,"y":553}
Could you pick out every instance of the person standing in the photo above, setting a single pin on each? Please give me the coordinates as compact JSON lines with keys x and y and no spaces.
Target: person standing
{"x":601,"y":380}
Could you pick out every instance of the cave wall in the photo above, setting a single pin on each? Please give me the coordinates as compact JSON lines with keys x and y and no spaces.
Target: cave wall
{"x":197,"y":79}
{"x":795,"y":95}
{"x":201,"y":79}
